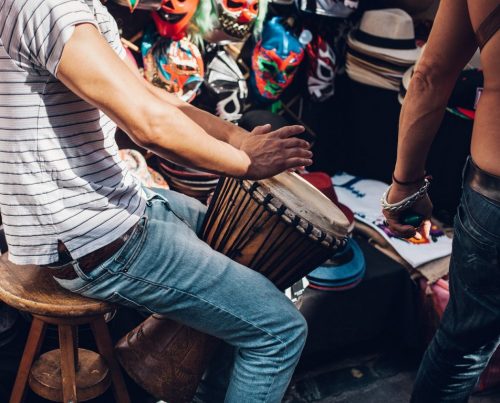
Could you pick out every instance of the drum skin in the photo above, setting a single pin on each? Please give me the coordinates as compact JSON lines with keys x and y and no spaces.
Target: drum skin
{"x":253,"y":227}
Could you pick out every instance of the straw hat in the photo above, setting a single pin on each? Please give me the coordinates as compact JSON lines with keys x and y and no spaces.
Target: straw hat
{"x":387,"y":34}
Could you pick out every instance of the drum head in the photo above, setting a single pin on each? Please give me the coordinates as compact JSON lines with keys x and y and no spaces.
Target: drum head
{"x":307,"y":202}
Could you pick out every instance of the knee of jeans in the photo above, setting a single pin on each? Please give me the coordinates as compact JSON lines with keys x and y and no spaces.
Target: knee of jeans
{"x":298,"y":330}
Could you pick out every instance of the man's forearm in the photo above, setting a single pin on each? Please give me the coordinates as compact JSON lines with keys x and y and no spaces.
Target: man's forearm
{"x":421,"y":115}
{"x":213,"y":125}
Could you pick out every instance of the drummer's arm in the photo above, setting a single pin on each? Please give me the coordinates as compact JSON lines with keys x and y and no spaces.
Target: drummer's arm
{"x":93,"y":71}
{"x":213,"y":125}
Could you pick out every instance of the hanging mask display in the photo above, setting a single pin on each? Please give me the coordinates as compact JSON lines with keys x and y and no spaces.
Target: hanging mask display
{"x":173,"y":17}
{"x":230,"y":20}
{"x":227,"y":86}
{"x":140,"y":4}
{"x":329,"y":8}
{"x":321,"y":69}
{"x":176,"y":66}
{"x":275,"y":60}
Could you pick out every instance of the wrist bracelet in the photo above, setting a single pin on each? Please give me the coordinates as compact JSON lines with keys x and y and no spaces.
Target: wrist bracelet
{"x":409,"y":183}
{"x":406,"y":202}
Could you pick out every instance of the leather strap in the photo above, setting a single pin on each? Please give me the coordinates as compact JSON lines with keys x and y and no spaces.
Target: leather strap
{"x":64,"y":270}
{"x":483,"y":182}
{"x":488,"y":27}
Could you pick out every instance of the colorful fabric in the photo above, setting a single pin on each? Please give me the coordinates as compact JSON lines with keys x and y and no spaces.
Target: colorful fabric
{"x":137,"y":166}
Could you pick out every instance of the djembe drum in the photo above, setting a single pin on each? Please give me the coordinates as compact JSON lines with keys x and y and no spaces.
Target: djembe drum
{"x":282,"y":227}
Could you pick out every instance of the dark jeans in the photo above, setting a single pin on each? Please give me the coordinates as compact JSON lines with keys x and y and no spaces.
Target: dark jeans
{"x":469,"y":331}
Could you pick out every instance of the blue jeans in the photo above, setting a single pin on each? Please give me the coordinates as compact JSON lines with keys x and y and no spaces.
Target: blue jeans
{"x":165,"y":268}
{"x":469,"y":332}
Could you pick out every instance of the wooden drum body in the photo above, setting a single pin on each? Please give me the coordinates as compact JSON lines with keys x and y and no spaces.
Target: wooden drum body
{"x":251,"y":223}
{"x":282,"y":227}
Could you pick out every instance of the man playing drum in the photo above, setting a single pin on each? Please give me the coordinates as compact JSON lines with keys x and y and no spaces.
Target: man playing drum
{"x":470,"y":328}
{"x":68,"y":203}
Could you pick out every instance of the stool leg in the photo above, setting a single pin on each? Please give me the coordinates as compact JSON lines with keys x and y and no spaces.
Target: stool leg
{"x":105,"y":347}
{"x":32,"y":349}
{"x":68,"y":363}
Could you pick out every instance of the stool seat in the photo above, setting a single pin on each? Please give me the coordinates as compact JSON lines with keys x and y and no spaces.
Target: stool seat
{"x":31,"y":288}
{"x":69,"y":374}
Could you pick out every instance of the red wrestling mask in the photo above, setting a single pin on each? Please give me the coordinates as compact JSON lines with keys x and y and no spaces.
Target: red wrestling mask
{"x":173,"y":17}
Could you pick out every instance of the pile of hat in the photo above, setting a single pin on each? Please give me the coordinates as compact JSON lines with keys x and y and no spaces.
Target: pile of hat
{"x":189,"y":181}
{"x":382,"y":48}
{"x":346,"y":268}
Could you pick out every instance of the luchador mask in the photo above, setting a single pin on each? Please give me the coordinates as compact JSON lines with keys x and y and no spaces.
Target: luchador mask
{"x":236,"y":17}
{"x":321,"y":69}
{"x":176,"y":66}
{"x":140,"y":4}
{"x":229,"y":20}
{"x":226,"y":86}
{"x":275,"y":60}
{"x":173,"y":17}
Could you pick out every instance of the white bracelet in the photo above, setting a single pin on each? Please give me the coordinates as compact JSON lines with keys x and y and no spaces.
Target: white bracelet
{"x":407,"y":201}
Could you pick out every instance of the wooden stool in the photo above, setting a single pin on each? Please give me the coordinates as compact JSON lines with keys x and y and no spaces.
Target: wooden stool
{"x":68,"y":374}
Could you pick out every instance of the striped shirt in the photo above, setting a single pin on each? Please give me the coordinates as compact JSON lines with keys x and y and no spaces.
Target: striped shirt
{"x":60,"y":174}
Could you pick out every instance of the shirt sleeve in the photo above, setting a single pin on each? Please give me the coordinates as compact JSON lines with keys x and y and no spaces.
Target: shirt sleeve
{"x":109,"y":29}
{"x":34,"y":32}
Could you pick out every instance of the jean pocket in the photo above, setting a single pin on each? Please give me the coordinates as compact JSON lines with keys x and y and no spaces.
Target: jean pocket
{"x":475,"y":257}
{"x":129,"y":251}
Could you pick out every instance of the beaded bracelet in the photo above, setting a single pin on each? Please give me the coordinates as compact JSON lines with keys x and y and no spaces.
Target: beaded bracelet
{"x":407,"y":201}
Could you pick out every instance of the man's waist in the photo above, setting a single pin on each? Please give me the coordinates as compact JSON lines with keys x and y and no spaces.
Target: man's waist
{"x":64,"y":267}
{"x":482,"y":182}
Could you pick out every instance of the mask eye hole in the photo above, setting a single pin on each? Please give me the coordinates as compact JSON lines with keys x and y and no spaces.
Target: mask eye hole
{"x":268,"y":67}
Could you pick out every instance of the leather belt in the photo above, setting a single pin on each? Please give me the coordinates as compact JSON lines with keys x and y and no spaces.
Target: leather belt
{"x":482,"y":182}
{"x":64,"y":270}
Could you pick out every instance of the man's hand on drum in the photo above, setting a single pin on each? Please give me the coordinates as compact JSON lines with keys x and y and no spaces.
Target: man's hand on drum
{"x":271,"y":152}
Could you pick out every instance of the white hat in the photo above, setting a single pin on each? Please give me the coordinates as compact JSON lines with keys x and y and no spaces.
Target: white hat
{"x":387,"y":33}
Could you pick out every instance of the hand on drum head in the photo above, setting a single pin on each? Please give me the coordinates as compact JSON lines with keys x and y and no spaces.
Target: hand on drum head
{"x":272,"y":152}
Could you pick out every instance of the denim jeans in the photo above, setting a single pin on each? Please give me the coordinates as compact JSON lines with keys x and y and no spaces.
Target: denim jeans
{"x":165,"y":268}
{"x":469,"y":332}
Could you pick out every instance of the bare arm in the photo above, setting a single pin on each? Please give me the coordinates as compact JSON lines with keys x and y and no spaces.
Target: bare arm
{"x":91,"y":69}
{"x":216,"y":127}
{"x":450,"y":46}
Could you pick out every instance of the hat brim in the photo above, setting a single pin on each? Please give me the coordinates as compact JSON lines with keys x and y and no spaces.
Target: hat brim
{"x":340,"y":273}
{"x":394,"y":55}
{"x":368,"y":78}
